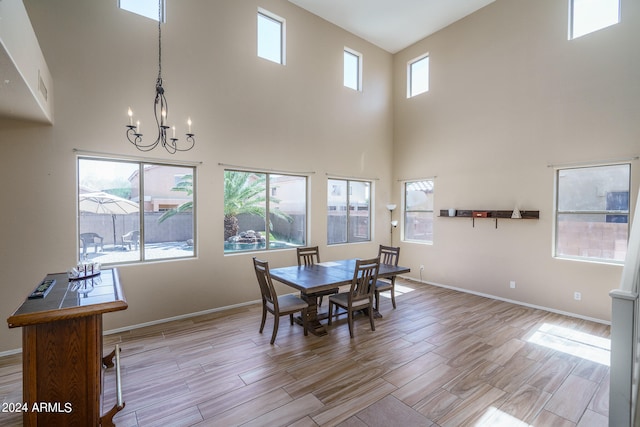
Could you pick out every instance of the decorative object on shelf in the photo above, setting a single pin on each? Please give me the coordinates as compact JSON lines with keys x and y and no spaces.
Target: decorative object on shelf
{"x":480,"y":214}
{"x":84,"y":269}
{"x":452,"y":212}
{"x":516,"y":214}
{"x":161,"y":112}
{"x":394,"y":224}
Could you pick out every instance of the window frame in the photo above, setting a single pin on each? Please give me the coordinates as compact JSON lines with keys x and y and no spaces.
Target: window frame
{"x":348,"y":182}
{"x":141,"y":163}
{"x":154,"y":17}
{"x":271,"y":192}
{"x":557,"y":212}
{"x":410,"y":72}
{"x":283,"y":32}
{"x":405,"y":211}
{"x":572,"y":18}
{"x":358,"y":56}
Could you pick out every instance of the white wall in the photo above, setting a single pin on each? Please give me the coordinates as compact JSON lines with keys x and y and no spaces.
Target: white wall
{"x":509,"y":95}
{"x":246,"y":111}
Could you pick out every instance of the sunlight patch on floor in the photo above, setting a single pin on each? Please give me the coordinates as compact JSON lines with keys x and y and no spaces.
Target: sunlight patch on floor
{"x":400,"y":289}
{"x":575,"y":343}
{"x":496,"y":418}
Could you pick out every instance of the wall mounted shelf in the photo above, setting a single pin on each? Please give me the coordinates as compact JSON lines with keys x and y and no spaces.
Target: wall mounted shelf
{"x":488,"y":214}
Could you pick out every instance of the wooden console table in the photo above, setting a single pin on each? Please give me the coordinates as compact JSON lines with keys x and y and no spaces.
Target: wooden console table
{"x":62,"y":351}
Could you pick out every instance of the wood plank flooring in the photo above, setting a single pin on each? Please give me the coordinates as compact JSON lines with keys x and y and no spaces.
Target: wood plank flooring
{"x":442,"y":358}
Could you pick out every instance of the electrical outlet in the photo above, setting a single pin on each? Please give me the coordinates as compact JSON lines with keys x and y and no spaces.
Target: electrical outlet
{"x":421,"y":267}
{"x":577,"y":296}
{"x":512,"y":284}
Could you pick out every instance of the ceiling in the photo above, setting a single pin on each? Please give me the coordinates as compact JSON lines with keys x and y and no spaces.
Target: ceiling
{"x":392,"y":24}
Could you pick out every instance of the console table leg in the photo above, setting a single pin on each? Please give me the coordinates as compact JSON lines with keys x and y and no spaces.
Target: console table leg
{"x":107,"y":360}
{"x":107,"y":419}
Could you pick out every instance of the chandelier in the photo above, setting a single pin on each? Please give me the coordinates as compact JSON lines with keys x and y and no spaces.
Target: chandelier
{"x":161,"y":113}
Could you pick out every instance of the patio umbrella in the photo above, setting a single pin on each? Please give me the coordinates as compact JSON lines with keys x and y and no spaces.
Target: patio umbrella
{"x":105,"y":203}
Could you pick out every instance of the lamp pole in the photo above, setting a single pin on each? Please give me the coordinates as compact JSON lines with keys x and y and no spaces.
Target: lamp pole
{"x":394,"y":224}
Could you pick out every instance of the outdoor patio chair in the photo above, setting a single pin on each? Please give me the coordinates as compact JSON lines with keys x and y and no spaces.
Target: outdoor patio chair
{"x":94,"y":239}
{"x":132,"y":237}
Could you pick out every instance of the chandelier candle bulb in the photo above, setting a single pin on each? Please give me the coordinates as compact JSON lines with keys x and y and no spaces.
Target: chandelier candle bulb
{"x":130,"y":113}
{"x":138,"y":127}
{"x":189,"y":124}
{"x":174,"y":131}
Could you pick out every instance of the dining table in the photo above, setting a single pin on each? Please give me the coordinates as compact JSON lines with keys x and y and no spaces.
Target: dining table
{"x":324,"y":278}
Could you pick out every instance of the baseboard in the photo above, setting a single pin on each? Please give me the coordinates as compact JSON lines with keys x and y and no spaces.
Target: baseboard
{"x":481,"y":294}
{"x":10,"y":352}
{"x":181,"y":317}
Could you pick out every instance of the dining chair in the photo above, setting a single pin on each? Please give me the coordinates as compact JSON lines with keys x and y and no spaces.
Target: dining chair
{"x":274,"y":304}
{"x":388,"y":255}
{"x":308,"y":256}
{"x":360,"y":294}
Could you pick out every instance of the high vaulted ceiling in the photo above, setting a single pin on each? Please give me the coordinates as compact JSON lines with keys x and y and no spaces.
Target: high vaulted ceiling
{"x":392,"y":24}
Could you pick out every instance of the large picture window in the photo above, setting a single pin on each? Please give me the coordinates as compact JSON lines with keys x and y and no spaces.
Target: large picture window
{"x":592,"y":212}
{"x":348,"y":211}
{"x":418,"y":211}
{"x":132,"y":211}
{"x":264,"y":211}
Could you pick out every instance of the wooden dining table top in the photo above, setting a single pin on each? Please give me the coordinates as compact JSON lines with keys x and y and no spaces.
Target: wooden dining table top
{"x":326,"y":275}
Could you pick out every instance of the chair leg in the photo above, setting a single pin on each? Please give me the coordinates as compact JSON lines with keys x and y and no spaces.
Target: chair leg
{"x":350,"y":321}
{"x":373,"y":326}
{"x":291,"y":318}
{"x":393,"y":297}
{"x":330,"y":312}
{"x":264,"y":317}
{"x":377,"y":301}
{"x":320,"y":301}
{"x":276,"y":321}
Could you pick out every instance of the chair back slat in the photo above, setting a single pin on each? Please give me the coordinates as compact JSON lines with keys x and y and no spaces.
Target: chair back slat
{"x":308,"y":256}
{"x":389,"y":255}
{"x":264,"y":280}
{"x":364,"y":278}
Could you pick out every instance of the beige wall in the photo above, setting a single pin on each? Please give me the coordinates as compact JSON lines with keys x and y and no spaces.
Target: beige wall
{"x":509,"y":95}
{"x":246,"y":111}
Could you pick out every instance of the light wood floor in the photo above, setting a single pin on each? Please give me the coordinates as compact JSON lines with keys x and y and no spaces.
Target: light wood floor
{"x":442,"y":358}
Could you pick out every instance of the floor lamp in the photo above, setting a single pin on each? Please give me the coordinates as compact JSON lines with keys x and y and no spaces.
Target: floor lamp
{"x":394,"y":224}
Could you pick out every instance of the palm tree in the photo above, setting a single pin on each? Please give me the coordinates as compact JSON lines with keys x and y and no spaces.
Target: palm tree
{"x":185,"y":185}
{"x":244,"y":193}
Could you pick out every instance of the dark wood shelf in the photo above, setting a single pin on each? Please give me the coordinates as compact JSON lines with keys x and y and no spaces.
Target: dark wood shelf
{"x":489,"y":214}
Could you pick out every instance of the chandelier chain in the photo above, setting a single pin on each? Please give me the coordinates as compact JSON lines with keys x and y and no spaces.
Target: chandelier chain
{"x":160,"y":39}
{"x":160,"y":111}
